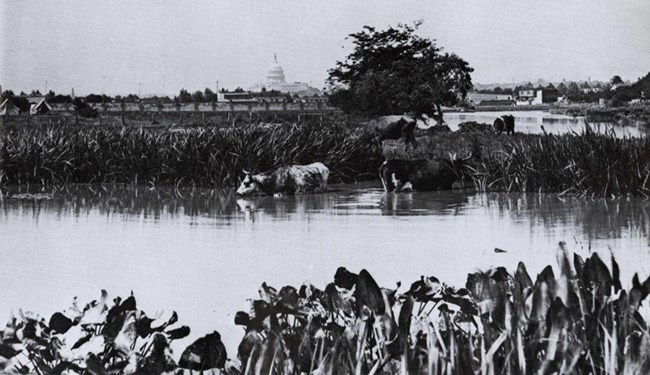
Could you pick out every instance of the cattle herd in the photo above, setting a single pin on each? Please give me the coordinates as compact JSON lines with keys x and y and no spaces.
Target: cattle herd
{"x":395,"y":175}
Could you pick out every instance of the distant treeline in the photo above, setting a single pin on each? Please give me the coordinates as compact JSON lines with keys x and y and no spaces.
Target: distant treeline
{"x":184,"y":96}
{"x":615,"y":90}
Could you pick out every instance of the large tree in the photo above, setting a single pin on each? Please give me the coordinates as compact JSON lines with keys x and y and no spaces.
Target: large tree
{"x":395,"y":71}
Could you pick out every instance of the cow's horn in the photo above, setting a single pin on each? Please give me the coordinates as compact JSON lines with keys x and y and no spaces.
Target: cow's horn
{"x":245,"y":171}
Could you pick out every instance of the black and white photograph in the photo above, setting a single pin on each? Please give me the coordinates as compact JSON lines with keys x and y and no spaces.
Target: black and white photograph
{"x":321,"y":188}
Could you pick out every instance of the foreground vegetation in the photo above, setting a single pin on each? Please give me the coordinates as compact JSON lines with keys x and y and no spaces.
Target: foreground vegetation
{"x":581,"y":320}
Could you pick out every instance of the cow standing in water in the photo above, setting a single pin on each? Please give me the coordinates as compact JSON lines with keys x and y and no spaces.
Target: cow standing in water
{"x":293,"y":179}
{"x":505,"y":123}
{"x":421,"y":175}
{"x":402,"y":128}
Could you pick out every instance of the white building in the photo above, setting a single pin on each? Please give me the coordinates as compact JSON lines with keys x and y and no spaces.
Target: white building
{"x":275,"y":80}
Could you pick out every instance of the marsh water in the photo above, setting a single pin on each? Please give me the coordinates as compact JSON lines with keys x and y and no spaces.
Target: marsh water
{"x":203,"y":253}
{"x":531,"y":122}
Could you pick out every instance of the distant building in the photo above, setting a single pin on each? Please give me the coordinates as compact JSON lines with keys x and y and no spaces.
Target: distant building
{"x":526,"y":95}
{"x":38,"y":107}
{"x":544,"y":96}
{"x":478,"y":98}
{"x":537,"y":96}
{"x":8,"y":108}
{"x":275,"y":80}
{"x":236,"y":97}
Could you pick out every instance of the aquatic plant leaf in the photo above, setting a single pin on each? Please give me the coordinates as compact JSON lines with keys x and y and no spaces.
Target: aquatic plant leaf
{"x":242,"y":318}
{"x":143,"y":325}
{"x":345,"y":279}
{"x":159,"y":359}
{"x":128,"y":304}
{"x":206,"y":353}
{"x":249,"y":342}
{"x":499,"y":274}
{"x":404,"y":322}
{"x":178,"y":333}
{"x":288,"y":297}
{"x":563,"y":260}
{"x":7,"y":351}
{"x":270,"y":357}
{"x":268,"y":293}
{"x":523,"y":279}
{"x":65,"y":366}
{"x":616,"y":275}
{"x":424,"y":289}
{"x":596,"y":273}
{"x":82,"y":340}
{"x":578,"y":265}
{"x":368,"y":293}
{"x":60,"y":323}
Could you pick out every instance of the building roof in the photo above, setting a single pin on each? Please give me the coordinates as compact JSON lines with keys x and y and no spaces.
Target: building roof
{"x":8,"y":108}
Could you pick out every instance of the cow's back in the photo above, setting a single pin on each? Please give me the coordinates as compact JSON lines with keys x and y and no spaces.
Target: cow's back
{"x":300,"y":179}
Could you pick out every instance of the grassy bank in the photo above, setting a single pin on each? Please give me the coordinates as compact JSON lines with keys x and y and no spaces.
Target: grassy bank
{"x":213,"y":156}
{"x":637,"y":114}
{"x":199,"y":156}
{"x":578,"y":164}
{"x":577,"y":319}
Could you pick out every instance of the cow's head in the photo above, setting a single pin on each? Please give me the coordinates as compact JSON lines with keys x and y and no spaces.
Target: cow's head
{"x":249,"y":184}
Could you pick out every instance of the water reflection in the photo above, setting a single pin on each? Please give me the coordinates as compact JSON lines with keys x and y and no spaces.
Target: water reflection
{"x":601,"y":218}
{"x":598,"y":219}
{"x":425,"y":203}
{"x":124,"y":200}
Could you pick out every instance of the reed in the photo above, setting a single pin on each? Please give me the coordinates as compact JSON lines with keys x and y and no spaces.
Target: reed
{"x":588,"y":164}
{"x":203,"y":156}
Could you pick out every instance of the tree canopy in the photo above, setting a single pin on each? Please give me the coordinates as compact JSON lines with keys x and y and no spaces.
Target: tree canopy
{"x":395,"y":71}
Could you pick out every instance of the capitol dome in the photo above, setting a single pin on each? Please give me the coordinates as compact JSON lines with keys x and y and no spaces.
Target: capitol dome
{"x":275,"y":74}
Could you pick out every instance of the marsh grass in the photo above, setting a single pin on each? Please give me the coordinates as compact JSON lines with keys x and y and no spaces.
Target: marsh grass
{"x":587,"y":164}
{"x":590,"y":164}
{"x":199,"y":156}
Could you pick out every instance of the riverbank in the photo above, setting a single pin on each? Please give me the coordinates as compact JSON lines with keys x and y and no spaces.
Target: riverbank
{"x":631,"y":115}
{"x":579,"y":318}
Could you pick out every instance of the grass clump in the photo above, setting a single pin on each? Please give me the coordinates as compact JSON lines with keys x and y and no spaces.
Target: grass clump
{"x":589,"y":164}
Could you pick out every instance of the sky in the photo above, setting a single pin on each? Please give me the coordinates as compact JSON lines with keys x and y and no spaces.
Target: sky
{"x":158,"y":47}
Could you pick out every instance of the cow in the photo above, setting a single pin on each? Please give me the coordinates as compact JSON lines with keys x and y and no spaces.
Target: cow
{"x":388,"y":128}
{"x":420,"y":175}
{"x":293,"y":179}
{"x":505,"y":123}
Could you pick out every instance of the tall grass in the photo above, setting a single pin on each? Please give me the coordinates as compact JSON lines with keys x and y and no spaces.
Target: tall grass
{"x":588,"y":164}
{"x":211,"y":156}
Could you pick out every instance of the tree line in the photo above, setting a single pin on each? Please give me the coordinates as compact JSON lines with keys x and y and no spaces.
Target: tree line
{"x":585,"y":92}
{"x":184,"y":96}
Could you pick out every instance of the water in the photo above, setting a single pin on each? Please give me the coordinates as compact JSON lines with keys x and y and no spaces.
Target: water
{"x":531,"y":122}
{"x":204,"y":253}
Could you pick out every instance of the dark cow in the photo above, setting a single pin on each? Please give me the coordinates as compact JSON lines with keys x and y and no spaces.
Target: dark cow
{"x":505,"y":123}
{"x":294,"y":179}
{"x":403,"y":128}
{"x":420,"y":175}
